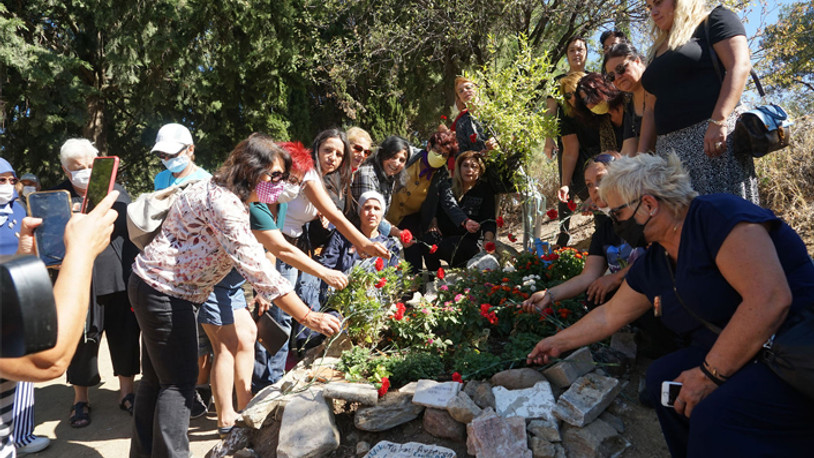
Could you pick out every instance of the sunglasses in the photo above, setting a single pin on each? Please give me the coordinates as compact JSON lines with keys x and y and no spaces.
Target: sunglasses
{"x":10,"y":180}
{"x":359,"y":149}
{"x":603,"y":158}
{"x":568,"y":95}
{"x":277,"y":176}
{"x":620,"y":70}
{"x":165,"y":156}
{"x":614,"y":212}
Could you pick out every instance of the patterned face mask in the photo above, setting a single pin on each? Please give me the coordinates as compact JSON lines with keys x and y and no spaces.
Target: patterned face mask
{"x":268,"y":191}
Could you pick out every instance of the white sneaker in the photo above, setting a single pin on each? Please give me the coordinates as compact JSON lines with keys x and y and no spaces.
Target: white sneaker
{"x":38,"y":444}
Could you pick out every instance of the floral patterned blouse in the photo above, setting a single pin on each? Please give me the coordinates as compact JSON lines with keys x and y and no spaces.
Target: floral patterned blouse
{"x":205,"y":234}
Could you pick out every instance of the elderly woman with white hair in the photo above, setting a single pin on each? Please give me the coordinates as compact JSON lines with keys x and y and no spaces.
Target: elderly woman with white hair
{"x":724,"y":274}
{"x":110,"y":310}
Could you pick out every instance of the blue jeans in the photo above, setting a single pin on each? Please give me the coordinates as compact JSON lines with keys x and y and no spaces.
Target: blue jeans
{"x":169,"y":371}
{"x":268,"y":369}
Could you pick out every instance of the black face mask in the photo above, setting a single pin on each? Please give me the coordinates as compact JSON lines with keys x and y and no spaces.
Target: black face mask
{"x":630,"y":231}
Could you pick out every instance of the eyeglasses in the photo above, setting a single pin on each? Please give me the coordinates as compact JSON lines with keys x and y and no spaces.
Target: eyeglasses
{"x":620,"y":70}
{"x":359,"y":149}
{"x":164,"y":156}
{"x":277,"y":176}
{"x":11,"y":180}
{"x":603,"y":158}
{"x":615,"y":211}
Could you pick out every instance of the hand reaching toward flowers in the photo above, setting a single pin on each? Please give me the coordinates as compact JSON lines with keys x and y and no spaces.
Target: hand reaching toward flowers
{"x":544,"y":351}
{"x":537,"y":302}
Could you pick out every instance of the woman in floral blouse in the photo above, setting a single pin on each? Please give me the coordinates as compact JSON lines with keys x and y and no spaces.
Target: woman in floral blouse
{"x":205,"y":234}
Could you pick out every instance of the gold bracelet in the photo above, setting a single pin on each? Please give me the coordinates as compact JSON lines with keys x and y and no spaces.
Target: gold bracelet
{"x":714,"y":371}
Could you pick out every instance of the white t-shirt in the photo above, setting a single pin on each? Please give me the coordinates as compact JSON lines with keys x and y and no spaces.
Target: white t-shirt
{"x":301,"y":210}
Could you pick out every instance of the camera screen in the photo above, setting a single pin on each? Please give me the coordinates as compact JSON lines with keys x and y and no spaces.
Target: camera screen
{"x":54,"y":207}
{"x":101,"y":176}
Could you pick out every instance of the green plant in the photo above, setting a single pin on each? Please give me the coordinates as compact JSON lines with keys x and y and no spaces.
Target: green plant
{"x":414,"y":366}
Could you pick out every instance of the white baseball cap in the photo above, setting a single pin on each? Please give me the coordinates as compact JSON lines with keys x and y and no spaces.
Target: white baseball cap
{"x":172,"y":138}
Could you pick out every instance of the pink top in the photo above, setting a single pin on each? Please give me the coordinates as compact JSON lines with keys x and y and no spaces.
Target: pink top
{"x":205,"y":234}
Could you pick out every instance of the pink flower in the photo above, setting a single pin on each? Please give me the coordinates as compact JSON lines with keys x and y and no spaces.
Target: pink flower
{"x":430,"y":341}
{"x":425,"y":311}
{"x":444,"y":288}
{"x":458,"y":297}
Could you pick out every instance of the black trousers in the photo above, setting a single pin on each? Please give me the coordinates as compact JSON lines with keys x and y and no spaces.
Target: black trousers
{"x":122,"y":331}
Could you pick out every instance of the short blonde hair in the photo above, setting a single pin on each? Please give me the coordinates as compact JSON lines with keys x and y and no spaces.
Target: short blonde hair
{"x":687,"y":15}
{"x":568,"y":83}
{"x":76,"y":147}
{"x":663,"y":177}
{"x":357,"y":133}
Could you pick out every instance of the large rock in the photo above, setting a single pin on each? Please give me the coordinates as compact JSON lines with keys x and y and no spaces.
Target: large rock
{"x":596,"y":440}
{"x":480,"y":393}
{"x":353,"y":392}
{"x":577,"y":364}
{"x":235,"y":441}
{"x":492,"y":436}
{"x":541,"y":448}
{"x":517,"y":379}
{"x":535,"y":402}
{"x":545,"y":429}
{"x":308,"y":428}
{"x":588,"y":397}
{"x":624,"y":343}
{"x":430,"y":393}
{"x":440,"y":423}
{"x":483,"y":262}
{"x":463,"y":408}
{"x":392,"y":410}
{"x":262,"y":404}
{"x":385,"y":449}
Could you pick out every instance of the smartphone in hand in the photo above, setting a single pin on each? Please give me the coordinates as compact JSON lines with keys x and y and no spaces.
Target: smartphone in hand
{"x":54,"y":208}
{"x":102,"y":179}
{"x":669,"y":393}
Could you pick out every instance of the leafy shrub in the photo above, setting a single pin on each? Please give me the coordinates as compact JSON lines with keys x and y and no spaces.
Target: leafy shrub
{"x":414,"y":366}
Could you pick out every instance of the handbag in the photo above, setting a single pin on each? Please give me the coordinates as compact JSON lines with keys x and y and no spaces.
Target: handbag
{"x":146,"y":214}
{"x":759,"y":131}
{"x":789,"y":353}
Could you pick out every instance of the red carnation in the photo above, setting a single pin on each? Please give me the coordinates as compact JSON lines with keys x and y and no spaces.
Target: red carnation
{"x":552,"y":214}
{"x":572,"y":205}
{"x":512,"y":238}
{"x":490,"y":247}
{"x":484,"y":309}
{"x":564,"y":313}
{"x":548,"y":311}
{"x":456,"y":377}
{"x":499,"y":221}
{"x":433,"y":248}
{"x":385,"y":386}
{"x":381,"y":283}
{"x":400,"y":309}
{"x":379,"y":264}
{"x":473,"y":138}
{"x":443,"y":117}
{"x":441,"y":273}
{"x":406,"y":237}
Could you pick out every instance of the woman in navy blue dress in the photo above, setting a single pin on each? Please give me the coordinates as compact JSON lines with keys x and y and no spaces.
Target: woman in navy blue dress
{"x":734,"y":265}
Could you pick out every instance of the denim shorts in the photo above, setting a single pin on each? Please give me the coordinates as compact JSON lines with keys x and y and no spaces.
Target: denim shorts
{"x":227,"y":296}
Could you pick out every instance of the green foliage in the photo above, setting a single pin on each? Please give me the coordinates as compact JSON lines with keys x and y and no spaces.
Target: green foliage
{"x":477,"y":365}
{"x":789,"y":47}
{"x":414,"y":366}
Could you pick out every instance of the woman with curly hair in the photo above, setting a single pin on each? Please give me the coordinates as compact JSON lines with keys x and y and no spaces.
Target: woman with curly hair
{"x":694,"y":105}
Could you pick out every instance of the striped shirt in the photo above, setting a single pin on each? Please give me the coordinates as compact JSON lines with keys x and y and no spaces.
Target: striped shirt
{"x":7,"y":388}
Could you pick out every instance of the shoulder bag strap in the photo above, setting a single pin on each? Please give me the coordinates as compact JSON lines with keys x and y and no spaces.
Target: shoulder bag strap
{"x":716,"y":63}
{"x":692,"y":313}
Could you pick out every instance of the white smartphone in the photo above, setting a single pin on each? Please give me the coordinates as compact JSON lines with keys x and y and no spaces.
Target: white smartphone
{"x":669,"y":393}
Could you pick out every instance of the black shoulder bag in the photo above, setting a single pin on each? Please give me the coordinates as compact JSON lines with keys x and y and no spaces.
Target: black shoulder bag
{"x":759,"y":131}
{"x":789,"y":353}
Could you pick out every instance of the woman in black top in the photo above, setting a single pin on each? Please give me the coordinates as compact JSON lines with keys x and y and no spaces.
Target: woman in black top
{"x":624,"y":67}
{"x":694,"y":107}
{"x":458,"y":243}
{"x":598,"y":102}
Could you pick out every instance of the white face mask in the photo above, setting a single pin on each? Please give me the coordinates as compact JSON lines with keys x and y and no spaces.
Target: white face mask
{"x":28,"y":190}
{"x":176,"y":164}
{"x":290,"y":192}
{"x":6,"y":193}
{"x":605,"y":210}
{"x":80,"y":178}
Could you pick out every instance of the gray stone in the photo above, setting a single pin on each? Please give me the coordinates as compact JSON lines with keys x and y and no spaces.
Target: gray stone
{"x":492,"y":436}
{"x":265,"y":439}
{"x":235,"y":441}
{"x":430,"y":393}
{"x":625,"y":343}
{"x":353,"y":392}
{"x":246,"y":453}
{"x":517,"y":379}
{"x":483,"y":262}
{"x":362,"y":448}
{"x":541,"y":448}
{"x":619,"y":407}
{"x":440,"y":423}
{"x":577,"y":364}
{"x":545,"y":429}
{"x":385,"y":449}
{"x":409,"y":388}
{"x":262,"y":404}
{"x":481,"y":393}
{"x":535,"y":402}
{"x":308,"y":428}
{"x":463,"y":408}
{"x":415,"y":301}
{"x":392,"y":410}
{"x":588,"y":397}
{"x":596,"y":440}
{"x":613,"y":420}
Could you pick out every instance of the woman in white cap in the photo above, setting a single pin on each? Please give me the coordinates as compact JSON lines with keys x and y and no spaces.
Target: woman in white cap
{"x":175,"y":148}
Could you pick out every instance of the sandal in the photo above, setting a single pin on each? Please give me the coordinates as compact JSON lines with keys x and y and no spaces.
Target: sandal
{"x":127,"y":403}
{"x":80,"y":415}
{"x":224,"y":431}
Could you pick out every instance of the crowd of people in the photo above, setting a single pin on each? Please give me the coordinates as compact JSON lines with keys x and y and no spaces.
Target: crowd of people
{"x":644,"y":144}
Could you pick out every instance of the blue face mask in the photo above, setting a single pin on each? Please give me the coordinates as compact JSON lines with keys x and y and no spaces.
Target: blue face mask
{"x":176,"y":164}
